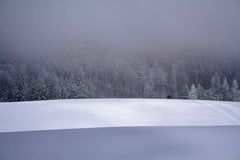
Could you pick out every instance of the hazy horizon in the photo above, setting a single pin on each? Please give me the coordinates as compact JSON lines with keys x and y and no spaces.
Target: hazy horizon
{"x":60,"y":27}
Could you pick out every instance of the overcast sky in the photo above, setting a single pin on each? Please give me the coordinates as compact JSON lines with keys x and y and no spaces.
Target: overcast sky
{"x":41,"y":26}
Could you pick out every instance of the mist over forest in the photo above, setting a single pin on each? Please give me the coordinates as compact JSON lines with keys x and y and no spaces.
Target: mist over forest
{"x":119,"y":49}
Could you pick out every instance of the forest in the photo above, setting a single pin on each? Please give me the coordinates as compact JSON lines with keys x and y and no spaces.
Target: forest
{"x":123,"y":49}
{"x":105,"y":75}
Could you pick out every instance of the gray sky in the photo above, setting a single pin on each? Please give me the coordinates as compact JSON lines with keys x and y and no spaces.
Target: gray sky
{"x":41,"y":26}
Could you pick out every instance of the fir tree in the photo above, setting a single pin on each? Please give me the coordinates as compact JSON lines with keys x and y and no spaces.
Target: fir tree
{"x":200,"y":92}
{"x":173,"y":82}
{"x":209,"y":94}
{"x":216,"y":86}
{"x":37,"y":89}
{"x":192,"y":93}
{"x":238,"y":96}
{"x":161,"y":83}
{"x":185,"y":92}
{"x":234,"y":90}
{"x":225,"y":91}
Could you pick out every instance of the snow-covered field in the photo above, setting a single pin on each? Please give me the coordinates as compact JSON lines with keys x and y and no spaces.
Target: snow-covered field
{"x":133,"y":143}
{"x":133,"y":129}
{"x":92,"y":113}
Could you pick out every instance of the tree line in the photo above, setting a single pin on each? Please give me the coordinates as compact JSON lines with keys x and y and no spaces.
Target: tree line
{"x":107,"y":77}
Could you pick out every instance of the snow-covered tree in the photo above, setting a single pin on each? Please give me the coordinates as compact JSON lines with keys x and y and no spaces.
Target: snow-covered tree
{"x":115,"y":83}
{"x":160,"y":83}
{"x":107,"y":77}
{"x":192,"y":93}
{"x":216,"y":86}
{"x":238,"y":96}
{"x":140,"y":80}
{"x":225,"y":91}
{"x":73,"y":90}
{"x":149,"y":87}
{"x":209,"y":95}
{"x":216,"y":83}
{"x":19,"y":84}
{"x":6,"y":86}
{"x":173,"y":82}
{"x":200,"y":92}
{"x":63,"y":88}
{"x":84,"y":90}
{"x":234,"y":91}
{"x":38,"y":89}
{"x":185,"y":92}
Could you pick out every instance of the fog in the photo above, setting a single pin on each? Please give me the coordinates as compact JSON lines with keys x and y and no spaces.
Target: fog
{"x":60,"y":27}
{"x":67,"y":49}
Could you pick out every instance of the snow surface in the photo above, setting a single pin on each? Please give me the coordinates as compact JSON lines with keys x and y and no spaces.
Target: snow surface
{"x":136,"y":129}
{"x":133,"y":143}
{"x":92,"y":113}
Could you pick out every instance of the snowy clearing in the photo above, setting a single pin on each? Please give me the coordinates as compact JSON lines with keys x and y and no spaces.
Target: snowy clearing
{"x":92,"y":113}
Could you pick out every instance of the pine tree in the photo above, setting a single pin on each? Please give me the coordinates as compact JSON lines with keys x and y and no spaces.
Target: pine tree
{"x":216,"y":86}
{"x":72,"y":89}
{"x":52,"y":85}
{"x":200,"y":92}
{"x":238,"y":96}
{"x":173,"y":82}
{"x":192,"y":93}
{"x":225,"y":91}
{"x":63,"y":88}
{"x":37,"y":90}
{"x":19,"y":84}
{"x":209,"y":94}
{"x":185,"y":92}
{"x":216,"y":83}
{"x":234,"y":90}
{"x":140,"y":79}
{"x":149,"y":87}
{"x":20,"y":93}
{"x":115,"y":83}
{"x":6,"y":87}
{"x":84,"y":85}
{"x":161,"y":83}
